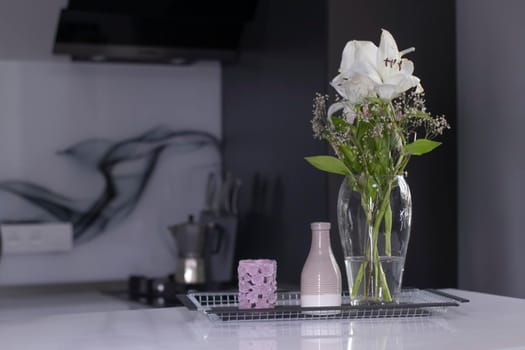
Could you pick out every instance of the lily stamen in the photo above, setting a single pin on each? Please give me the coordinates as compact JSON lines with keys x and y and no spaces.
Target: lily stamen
{"x":405,"y":51}
{"x":392,"y":62}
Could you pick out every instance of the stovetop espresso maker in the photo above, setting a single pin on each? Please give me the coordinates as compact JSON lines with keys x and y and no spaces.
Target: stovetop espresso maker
{"x":196,"y":242}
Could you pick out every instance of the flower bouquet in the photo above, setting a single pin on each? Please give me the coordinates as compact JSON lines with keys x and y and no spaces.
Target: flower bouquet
{"x":376,"y":124}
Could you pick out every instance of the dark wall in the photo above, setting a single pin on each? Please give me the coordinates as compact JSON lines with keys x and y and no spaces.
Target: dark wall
{"x":491,"y":165}
{"x":429,"y":26}
{"x":267,"y":100}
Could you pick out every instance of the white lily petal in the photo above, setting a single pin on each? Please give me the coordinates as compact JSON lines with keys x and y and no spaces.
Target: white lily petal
{"x":408,"y":83}
{"x":396,"y":78}
{"x":419,"y":89}
{"x":359,"y":87}
{"x":407,"y":66}
{"x":386,"y":91}
{"x":354,"y":88}
{"x":367,"y":52}
{"x":387,"y":53}
{"x":387,"y":45}
{"x":334,"y":107}
{"x":402,"y":82}
{"x":338,"y":84}
{"x":348,"y":57}
{"x":363,"y":69}
{"x":356,"y":51}
{"x":349,"y":113}
{"x":368,"y":69}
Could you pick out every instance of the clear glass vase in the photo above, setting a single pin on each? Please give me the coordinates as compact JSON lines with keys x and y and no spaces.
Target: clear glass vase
{"x":374,"y":215}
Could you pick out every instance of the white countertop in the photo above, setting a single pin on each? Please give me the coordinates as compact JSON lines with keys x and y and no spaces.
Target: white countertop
{"x":487,"y":322}
{"x":24,"y":305}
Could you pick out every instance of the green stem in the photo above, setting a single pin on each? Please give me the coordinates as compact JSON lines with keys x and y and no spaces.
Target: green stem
{"x":388,"y":230}
{"x":359,"y":278}
{"x":360,"y":273}
{"x":372,"y":255}
{"x":376,"y":272}
{"x":379,"y":269}
{"x":386,"y":290}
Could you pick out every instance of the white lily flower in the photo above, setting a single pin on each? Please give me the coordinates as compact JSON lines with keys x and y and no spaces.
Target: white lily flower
{"x":357,"y":75}
{"x":395,"y":71}
{"x":369,"y":71}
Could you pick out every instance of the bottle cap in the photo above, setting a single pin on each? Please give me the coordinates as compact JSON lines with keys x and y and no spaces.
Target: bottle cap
{"x":320,"y":226}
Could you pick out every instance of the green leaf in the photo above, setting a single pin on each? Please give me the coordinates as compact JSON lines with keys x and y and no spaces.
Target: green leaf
{"x":329,"y":164}
{"x":350,"y":158}
{"x":421,"y":146}
{"x":339,"y":123}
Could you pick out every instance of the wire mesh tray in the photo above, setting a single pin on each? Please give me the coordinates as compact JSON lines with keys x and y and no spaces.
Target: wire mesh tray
{"x":223,"y":306}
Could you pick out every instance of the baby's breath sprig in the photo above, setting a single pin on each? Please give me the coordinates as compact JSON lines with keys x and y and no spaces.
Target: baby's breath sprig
{"x":319,"y":119}
{"x":376,"y":137}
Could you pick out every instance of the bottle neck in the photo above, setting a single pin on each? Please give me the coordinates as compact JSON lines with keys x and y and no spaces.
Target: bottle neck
{"x":320,"y":242}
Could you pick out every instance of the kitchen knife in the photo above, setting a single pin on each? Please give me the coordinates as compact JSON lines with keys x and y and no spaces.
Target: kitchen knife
{"x":225,"y":198}
{"x":211,"y":188}
{"x":235,"y":196}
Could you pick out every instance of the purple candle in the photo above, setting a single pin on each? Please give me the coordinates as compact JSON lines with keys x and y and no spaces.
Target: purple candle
{"x":257,"y":283}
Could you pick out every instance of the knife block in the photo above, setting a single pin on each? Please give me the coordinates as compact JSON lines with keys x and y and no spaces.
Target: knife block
{"x":220,"y":265}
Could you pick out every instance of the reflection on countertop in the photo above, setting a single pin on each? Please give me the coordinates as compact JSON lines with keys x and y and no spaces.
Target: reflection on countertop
{"x":324,"y":334}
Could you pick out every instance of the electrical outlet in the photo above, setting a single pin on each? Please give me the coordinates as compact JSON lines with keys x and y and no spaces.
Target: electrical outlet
{"x":36,"y":238}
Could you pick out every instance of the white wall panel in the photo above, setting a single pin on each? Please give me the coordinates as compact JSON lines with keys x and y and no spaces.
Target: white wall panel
{"x":49,"y":106}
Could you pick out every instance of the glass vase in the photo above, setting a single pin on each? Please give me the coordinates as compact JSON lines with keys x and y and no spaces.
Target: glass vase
{"x":374,"y":216}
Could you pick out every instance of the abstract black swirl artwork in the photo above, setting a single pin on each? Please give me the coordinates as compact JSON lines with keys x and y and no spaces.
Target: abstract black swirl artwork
{"x":125,"y":167}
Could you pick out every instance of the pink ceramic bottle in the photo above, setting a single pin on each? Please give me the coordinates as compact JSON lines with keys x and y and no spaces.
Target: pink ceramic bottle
{"x":321,"y":277}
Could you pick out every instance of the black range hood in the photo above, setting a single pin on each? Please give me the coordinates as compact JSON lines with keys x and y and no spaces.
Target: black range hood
{"x":152,"y":31}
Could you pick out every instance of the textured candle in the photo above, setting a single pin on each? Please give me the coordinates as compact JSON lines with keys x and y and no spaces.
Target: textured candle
{"x":257,"y":283}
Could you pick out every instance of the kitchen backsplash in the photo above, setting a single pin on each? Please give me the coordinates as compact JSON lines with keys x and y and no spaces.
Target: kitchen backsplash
{"x":112,"y":149}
